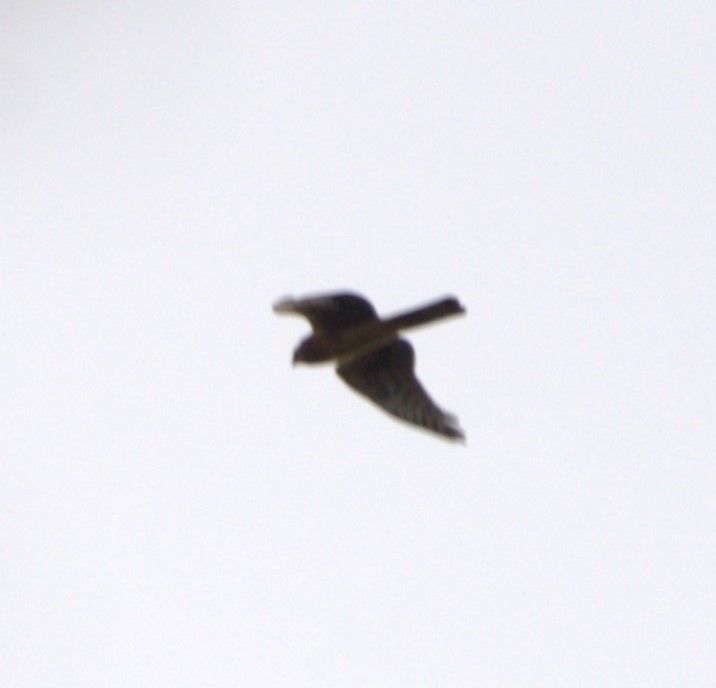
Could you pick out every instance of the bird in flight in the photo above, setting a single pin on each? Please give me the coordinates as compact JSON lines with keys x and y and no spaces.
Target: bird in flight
{"x":370,"y":355}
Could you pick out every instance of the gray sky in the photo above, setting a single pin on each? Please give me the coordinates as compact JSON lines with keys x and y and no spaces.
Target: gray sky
{"x":182,"y":508}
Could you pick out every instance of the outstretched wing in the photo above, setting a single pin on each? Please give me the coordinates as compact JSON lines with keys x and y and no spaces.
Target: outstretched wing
{"x":387,"y":377}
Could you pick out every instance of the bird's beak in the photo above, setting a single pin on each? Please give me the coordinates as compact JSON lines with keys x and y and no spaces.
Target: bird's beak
{"x":285,"y":306}
{"x":294,"y":361}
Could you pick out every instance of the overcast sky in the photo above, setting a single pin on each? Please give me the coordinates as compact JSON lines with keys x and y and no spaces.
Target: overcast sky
{"x":181,"y":507}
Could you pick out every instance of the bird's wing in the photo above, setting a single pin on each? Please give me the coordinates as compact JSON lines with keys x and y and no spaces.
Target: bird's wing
{"x":387,"y":377}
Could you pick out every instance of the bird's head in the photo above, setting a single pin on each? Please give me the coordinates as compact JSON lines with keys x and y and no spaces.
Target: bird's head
{"x":330,"y":312}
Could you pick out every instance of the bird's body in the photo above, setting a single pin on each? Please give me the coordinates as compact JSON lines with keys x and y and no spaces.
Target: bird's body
{"x":369,"y":354}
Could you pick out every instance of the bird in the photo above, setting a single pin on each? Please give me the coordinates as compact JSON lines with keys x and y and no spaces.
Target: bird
{"x":370,"y":355}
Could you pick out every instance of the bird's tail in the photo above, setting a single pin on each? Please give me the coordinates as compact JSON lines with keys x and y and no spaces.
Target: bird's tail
{"x":425,"y":314}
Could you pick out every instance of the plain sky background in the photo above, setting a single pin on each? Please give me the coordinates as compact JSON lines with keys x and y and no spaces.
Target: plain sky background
{"x":180,"y":507}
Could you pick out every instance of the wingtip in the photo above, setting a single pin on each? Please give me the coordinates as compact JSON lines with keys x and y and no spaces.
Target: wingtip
{"x":450,"y":428}
{"x":454,"y":305}
{"x":456,"y":435}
